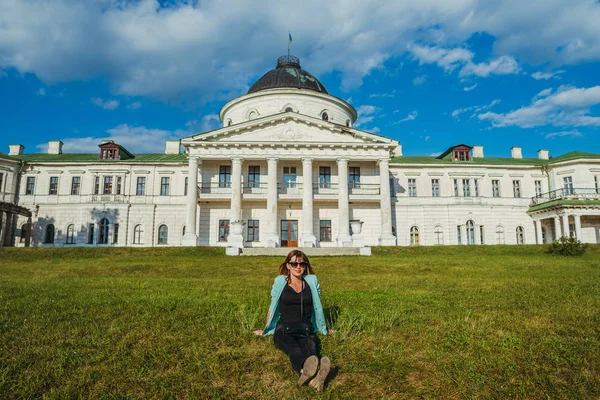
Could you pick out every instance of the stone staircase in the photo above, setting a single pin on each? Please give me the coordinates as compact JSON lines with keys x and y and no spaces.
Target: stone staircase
{"x":309,"y":251}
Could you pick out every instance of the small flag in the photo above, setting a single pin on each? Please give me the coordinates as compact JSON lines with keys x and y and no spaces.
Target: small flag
{"x":290,"y":38}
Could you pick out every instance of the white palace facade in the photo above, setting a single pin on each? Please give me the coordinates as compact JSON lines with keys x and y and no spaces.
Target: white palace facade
{"x":287,"y":169}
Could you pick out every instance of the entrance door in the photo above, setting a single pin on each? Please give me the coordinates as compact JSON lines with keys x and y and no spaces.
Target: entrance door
{"x":289,"y":233}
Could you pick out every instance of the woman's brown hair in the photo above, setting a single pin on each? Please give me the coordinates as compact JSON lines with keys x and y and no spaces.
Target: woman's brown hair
{"x":299,"y":254}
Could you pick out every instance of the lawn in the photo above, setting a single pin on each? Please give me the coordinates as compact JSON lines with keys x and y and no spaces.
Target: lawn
{"x":432,"y":322}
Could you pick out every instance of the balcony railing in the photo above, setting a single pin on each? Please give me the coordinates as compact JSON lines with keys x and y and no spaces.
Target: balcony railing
{"x":567,"y":193}
{"x":215,"y":187}
{"x":363,"y":189}
{"x":109,"y":198}
{"x":255,"y":188}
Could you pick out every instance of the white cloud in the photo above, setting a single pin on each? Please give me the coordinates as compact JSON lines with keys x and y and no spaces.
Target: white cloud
{"x":135,"y":105}
{"x":391,"y":94}
{"x":419,"y":80}
{"x":410,"y":117}
{"x":366,"y":114}
{"x":546,"y":75}
{"x":564,"y":134}
{"x":207,"y":123}
{"x":476,"y":109}
{"x":469,"y":88}
{"x":568,"y":106}
{"x":107,"y":105}
{"x":41,"y":92}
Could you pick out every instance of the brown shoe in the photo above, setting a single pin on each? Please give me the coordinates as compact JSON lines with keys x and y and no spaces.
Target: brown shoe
{"x":309,"y":369}
{"x":318,"y":382}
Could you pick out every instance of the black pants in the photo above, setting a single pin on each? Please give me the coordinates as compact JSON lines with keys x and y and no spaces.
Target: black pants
{"x":298,"y":350}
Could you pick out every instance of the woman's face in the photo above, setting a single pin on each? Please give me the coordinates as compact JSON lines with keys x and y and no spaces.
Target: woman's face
{"x":297,"y":266}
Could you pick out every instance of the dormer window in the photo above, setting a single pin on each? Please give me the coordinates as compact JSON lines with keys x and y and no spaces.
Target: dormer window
{"x":461,"y":155}
{"x":110,"y":150}
{"x":460,"y":152}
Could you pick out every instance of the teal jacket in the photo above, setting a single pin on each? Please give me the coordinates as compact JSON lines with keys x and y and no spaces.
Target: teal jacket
{"x":318,"y":317}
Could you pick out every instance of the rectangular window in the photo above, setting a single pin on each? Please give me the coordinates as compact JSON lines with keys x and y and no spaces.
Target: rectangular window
{"x":392,"y":187}
{"x":324,"y":177}
{"x":185,"y":186}
{"x":289,"y":177}
{"x":476,"y":185}
{"x":568,"y":185}
{"x":108,"y":185}
{"x":141,"y":186}
{"x":223,"y":230}
{"x":253,"y":227}
{"x":517,"y":188}
{"x":30,"y":189}
{"x":76,"y":185}
{"x":96,"y":185}
{"x":354,"y":177}
{"x":1,"y":181}
{"x":90,"y":234}
{"x":466,"y":187}
{"x":458,"y":234}
{"x":597,"y":183}
{"x":164,"y":185}
{"x":254,"y":176}
{"x":325,"y":230}
{"x":116,"y":233}
{"x":53,"y":185}
{"x":455,"y":187}
{"x":538,"y":188}
{"x":481,"y":235}
{"x":119,"y":184}
{"x":225,"y":176}
{"x":435,"y":188}
{"x":495,"y":188}
{"x":412,"y":187}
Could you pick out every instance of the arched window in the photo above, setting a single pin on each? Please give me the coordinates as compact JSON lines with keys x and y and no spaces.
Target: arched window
{"x":325,"y":116}
{"x":71,"y":234}
{"x":137,"y":234}
{"x":439,"y":234}
{"x":500,"y":234}
{"x":520,"y":235}
{"x":470,"y":232}
{"x":289,"y":109}
{"x":183,"y":231}
{"x":49,"y":236}
{"x":103,"y":233}
{"x":414,"y":236}
{"x":163,"y":234}
{"x":347,"y":122}
{"x":252,"y":114}
{"x":229,"y":122}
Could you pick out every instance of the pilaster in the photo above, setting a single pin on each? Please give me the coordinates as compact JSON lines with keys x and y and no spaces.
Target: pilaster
{"x":386,"y":238}
{"x":191,"y":232}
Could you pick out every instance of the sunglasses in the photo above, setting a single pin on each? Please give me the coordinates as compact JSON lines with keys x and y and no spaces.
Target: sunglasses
{"x":302,"y":264}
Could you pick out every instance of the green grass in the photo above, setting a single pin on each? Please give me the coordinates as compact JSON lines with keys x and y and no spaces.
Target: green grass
{"x":438,"y":322}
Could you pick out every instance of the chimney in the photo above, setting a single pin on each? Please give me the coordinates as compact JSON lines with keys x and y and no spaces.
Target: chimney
{"x":542,"y":154}
{"x":477,"y":151}
{"x":15,"y":149}
{"x":172,"y":147}
{"x":515,"y":152}
{"x":55,"y":147}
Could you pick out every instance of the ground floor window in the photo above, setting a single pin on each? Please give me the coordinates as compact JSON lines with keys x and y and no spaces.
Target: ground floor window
{"x":458,"y":234}
{"x":439,"y":234}
{"x":253,"y":227}
{"x":481,"y":235}
{"x":414,"y":236}
{"x":137,"y":234}
{"x":520,"y":235}
{"x":470,"y":232}
{"x":49,"y":236}
{"x":223,"y":230}
{"x":116,"y":233}
{"x":103,"y":233}
{"x":90,"y":234}
{"x":500,"y":234}
{"x":163,"y":234}
{"x":325,"y":230}
{"x":71,"y":234}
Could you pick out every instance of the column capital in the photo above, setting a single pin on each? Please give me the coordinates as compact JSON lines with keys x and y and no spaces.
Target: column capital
{"x":385,"y":161}
{"x":307,"y":160}
{"x":272,"y":160}
{"x":236,"y":160}
{"x":342,"y":160}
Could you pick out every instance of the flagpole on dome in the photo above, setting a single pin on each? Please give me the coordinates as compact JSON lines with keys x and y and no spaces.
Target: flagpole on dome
{"x":289,"y":42}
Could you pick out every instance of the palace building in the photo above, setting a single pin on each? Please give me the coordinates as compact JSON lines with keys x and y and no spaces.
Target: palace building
{"x":287,"y":169}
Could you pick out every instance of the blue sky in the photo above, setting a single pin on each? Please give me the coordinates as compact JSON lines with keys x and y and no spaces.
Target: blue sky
{"x":430,"y":74}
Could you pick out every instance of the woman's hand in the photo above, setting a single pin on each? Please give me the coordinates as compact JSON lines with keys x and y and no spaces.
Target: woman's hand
{"x":258,"y":332}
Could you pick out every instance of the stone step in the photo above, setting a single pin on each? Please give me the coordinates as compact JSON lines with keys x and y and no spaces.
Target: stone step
{"x":309,"y":251}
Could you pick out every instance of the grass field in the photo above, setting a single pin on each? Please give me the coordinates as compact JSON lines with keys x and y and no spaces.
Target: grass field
{"x":438,"y":322}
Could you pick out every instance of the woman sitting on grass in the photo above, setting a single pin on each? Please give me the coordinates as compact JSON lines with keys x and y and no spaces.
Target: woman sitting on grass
{"x":294,"y":317}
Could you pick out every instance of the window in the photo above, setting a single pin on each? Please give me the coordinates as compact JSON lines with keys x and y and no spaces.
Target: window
{"x":289,"y":177}
{"x":30,"y":189}
{"x":456,"y":187}
{"x":414,"y":236}
{"x":500,"y":234}
{"x":225,"y":176}
{"x":520,"y":235}
{"x":466,"y":183}
{"x":103,"y":231}
{"x":164,"y":185}
{"x":90,"y":234}
{"x":517,"y":188}
{"x":119,"y":181}
{"x":412,"y":187}
{"x":325,"y":116}
{"x":108,"y":185}
{"x":75,"y":185}
{"x":49,"y":236}
{"x":439,"y":234}
{"x":538,"y":188}
{"x":354,"y":177}
{"x":137,"y":234}
{"x":223,"y":230}
{"x":141,"y":186}
{"x":71,"y":234}
{"x":253,"y":226}
{"x":1,"y":181}
{"x":185,"y":186}
{"x":481,"y":234}
{"x":25,"y":229}
{"x":495,"y":188}
{"x":116,"y":233}
{"x":97,"y":185}
{"x":289,"y":109}
{"x":458,"y":235}
{"x":163,"y":234}
{"x":435,"y":188}
{"x":253,"y":176}
{"x":470,"y":232}
{"x":597,"y":183}
{"x":183,"y":231}
{"x":568,"y":185}
{"x":324,"y":177}
{"x":53,"y":185}
{"x":325,"y":230}
{"x":476,"y":185}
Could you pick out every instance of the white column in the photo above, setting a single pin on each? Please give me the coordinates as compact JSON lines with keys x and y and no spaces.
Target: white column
{"x":272,"y":233}
{"x":236,"y":239}
{"x":308,"y":235}
{"x":191,"y":236}
{"x":344,"y":239}
{"x":2,"y":227}
{"x":578,"y":234}
{"x":565,"y":221}
{"x":557,"y":230}
{"x":386,"y":238}
{"x":538,"y":231}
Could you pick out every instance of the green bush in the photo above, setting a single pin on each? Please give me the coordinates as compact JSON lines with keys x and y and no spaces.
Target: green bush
{"x":567,"y":246}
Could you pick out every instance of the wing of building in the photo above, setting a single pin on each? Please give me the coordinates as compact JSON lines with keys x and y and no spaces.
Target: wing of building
{"x":287,"y":169}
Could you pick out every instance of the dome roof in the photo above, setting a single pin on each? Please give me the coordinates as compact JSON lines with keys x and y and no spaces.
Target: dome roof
{"x":288,"y":74}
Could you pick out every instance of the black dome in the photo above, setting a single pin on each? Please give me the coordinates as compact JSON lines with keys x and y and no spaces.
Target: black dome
{"x":288,"y":74}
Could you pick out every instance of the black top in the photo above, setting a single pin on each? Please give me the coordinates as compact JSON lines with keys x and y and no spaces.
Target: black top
{"x":288,"y":74}
{"x":289,"y":306}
